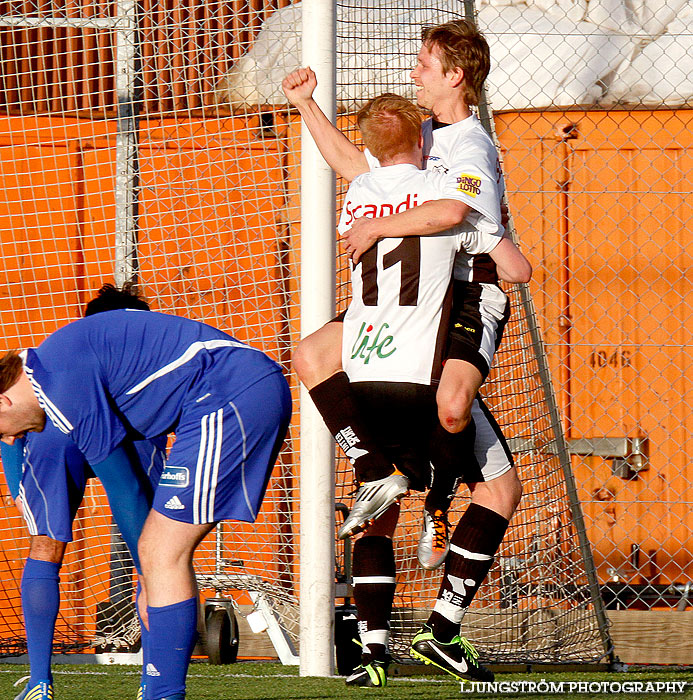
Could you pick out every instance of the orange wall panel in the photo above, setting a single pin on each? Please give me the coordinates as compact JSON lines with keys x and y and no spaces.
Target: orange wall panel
{"x":37,"y":241}
{"x":625,"y":216}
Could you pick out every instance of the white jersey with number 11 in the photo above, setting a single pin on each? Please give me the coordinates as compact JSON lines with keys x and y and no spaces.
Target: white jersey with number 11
{"x":396,"y":323}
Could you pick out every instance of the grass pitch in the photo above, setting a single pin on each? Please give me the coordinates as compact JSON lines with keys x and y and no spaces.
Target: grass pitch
{"x":270,"y":681}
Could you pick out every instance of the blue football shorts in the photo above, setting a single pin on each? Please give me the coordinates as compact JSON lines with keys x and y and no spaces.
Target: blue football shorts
{"x":224,"y":452}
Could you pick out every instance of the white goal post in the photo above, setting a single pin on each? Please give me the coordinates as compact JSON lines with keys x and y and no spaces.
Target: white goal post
{"x":317,"y":307}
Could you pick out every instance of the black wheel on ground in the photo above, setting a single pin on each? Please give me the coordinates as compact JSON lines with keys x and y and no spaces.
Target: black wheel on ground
{"x":222,"y":636}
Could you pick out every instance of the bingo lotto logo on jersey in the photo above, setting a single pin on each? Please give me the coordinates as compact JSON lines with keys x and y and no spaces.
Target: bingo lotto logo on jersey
{"x":175,"y":476}
{"x":469,"y":184}
{"x":370,"y":342}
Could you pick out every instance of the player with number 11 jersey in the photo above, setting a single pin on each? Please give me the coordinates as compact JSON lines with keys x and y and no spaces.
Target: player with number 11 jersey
{"x":397,"y":323}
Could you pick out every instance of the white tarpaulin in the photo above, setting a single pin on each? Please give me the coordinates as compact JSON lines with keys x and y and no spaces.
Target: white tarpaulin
{"x":661,"y":72}
{"x":542,"y":60}
{"x":544,"y":53}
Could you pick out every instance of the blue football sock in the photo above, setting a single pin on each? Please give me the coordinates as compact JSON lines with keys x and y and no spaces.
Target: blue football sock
{"x":172,"y":637}
{"x":40,"y":602}
{"x":144,"y":639}
{"x":129,"y":495}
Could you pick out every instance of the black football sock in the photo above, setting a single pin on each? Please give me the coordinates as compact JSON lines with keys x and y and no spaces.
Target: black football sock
{"x":474,"y":543}
{"x":452,"y":459}
{"x":338,"y":407}
{"x":374,"y":590}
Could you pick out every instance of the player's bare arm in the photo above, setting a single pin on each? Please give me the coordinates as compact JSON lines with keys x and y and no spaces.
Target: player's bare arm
{"x":511,"y":264}
{"x":341,"y":155}
{"x":427,"y":219}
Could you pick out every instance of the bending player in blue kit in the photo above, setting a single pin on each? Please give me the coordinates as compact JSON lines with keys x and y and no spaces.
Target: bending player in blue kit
{"x":47,"y":476}
{"x":120,"y":373}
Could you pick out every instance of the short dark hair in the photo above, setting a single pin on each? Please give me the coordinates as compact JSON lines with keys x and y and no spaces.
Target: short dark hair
{"x":110,"y":298}
{"x":462,"y":45}
{"x":11,"y":367}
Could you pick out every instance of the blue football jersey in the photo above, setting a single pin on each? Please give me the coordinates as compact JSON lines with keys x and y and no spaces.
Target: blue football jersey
{"x":130,"y":372}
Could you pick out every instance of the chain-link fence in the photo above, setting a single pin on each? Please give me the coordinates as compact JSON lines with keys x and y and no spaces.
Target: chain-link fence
{"x":602,"y":202}
{"x":180,"y":104}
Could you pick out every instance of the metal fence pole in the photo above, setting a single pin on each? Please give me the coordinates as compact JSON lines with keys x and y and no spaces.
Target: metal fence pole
{"x":127,"y":163}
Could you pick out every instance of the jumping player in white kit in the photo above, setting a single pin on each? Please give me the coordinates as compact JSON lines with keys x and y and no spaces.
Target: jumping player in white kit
{"x":452,"y":64}
{"x":394,"y":330}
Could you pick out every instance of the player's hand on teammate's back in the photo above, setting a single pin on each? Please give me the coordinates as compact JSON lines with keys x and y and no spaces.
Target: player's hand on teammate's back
{"x":299,"y":85}
{"x":360,"y":237}
{"x":505,"y":215}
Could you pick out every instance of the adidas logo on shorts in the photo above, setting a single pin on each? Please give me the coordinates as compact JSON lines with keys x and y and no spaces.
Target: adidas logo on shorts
{"x":174,"y":504}
{"x":151,"y":668}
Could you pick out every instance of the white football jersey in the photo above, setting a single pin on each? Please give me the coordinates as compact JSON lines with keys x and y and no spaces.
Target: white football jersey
{"x":466,"y":155}
{"x":467,"y":158}
{"x":395,"y":324}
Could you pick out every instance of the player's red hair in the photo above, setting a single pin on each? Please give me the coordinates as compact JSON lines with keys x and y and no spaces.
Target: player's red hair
{"x":461,"y":45}
{"x":10,"y":368}
{"x":390,"y":125}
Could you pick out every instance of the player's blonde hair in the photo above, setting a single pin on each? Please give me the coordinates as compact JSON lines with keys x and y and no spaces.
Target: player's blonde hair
{"x":10,"y":368}
{"x":390,"y":125}
{"x":461,"y":45}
